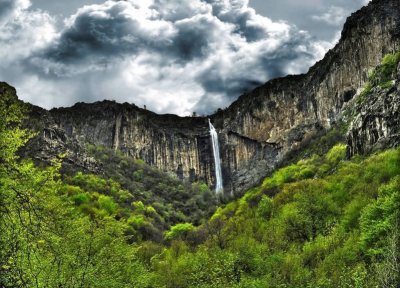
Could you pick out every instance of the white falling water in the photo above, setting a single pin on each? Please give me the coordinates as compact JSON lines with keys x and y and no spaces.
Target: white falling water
{"x":219,"y":189}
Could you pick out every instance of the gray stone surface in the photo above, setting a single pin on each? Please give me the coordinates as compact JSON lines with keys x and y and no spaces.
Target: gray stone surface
{"x":377,"y":122}
{"x":261,"y":127}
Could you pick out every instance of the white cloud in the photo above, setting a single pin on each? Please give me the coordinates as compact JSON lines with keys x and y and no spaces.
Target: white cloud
{"x":10,"y":9}
{"x":173,"y":56}
{"x":23,"y":32}
{"x":334,"y":16}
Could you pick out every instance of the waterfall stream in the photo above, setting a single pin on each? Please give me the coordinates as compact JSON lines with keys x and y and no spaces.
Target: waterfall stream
{"x":219,"y":188}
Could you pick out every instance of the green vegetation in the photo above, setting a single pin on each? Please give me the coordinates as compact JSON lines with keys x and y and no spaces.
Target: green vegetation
{"x":318,"y":144}
{"x":382,"y":76}
{"x":132,"y":180}
{"x":179,"y":230}
{"x":323,"y":221}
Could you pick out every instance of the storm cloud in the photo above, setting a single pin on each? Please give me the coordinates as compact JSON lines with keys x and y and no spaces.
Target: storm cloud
{"x":172,"y":56}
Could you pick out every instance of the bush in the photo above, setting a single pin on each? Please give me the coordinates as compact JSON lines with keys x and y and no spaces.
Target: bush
{"x":107,"y":203}
{"x":336,"y":154}
{"x":265,"y":207}
{"x":179,"y":231}
{"x":81,"y":198}
{"x":138,"y":206}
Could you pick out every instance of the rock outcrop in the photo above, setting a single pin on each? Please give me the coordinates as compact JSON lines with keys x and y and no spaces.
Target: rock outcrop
{"x":173,"y":144}
{"x":376,"y":122}
{"x":258,"y":129}
{"x":53,"y":142}
{"x":284,"y":111}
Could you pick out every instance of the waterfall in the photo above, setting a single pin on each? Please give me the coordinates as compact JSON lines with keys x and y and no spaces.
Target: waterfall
{"x":219,"y":188}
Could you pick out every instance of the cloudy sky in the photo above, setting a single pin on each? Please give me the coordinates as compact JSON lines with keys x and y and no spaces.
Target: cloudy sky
{"x":174,"y":56}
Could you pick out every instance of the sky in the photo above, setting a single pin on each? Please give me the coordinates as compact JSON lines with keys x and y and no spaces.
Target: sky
{"x":174,"y":56}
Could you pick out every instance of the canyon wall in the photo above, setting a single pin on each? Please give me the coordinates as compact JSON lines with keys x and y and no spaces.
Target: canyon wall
{"x":284,"y":111}
{"x":257,"y":130}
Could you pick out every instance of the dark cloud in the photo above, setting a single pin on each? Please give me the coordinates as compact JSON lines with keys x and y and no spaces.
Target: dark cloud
{"x":6,"y":7}
{"x":267,"y":64}
{"x":101,"y":33}
{"x":194,"y":37}
{"x":245,"y":20}
{"x":175,"y":56}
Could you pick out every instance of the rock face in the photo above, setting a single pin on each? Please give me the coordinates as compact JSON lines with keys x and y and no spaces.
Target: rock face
{"x":377,"y":121}
{"x":53,"y":142}
{"x":175,"y":144}
{"x":261,"y":126}
{"x":285,"y":111}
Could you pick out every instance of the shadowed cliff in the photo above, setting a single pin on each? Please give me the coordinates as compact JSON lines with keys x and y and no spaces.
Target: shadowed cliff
{"x":256,"y":132}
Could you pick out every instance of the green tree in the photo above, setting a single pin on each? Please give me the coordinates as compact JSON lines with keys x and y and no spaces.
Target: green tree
{"x":179,"y":231}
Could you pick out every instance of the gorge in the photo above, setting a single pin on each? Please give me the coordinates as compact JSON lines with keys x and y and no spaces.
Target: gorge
{"x":256,"y":132}
{"x":296,"y":184}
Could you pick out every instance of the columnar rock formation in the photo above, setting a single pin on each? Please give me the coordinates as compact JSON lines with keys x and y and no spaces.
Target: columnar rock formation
{"x":172,"y":143}
{"x":259,"y":128}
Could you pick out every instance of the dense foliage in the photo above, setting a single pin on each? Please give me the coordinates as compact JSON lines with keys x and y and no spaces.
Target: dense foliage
{"x":382,"y":76}
{"x":323,"y":221}
{"x":174,"y":200}
{"x":45,"y":240}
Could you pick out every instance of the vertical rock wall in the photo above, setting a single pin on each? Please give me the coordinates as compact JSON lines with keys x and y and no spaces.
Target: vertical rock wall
{"x":261,"y":126}
{"x":377,"y":120}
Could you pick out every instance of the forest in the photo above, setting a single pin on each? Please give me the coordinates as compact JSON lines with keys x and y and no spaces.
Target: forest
{"x":321,"y":221}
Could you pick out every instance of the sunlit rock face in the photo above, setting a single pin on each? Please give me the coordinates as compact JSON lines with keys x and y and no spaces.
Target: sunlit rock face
{"x":262,"y":126}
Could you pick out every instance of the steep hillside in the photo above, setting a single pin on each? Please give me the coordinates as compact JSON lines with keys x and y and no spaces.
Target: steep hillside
{"x":91,"y":172}
{"x":256,"y":131}
{"x":321,"y":222}
{"x":112,"y":195}
{"x":375,"y":113}
{"x":286,"y":111}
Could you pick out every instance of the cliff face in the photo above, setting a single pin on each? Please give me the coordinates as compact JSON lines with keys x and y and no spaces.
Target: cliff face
{"x":285,"y":111}
{"x":259,"y":128}
{"x":52,"y":142}
{"x":377,"y":119}
{"x":173,"y":144}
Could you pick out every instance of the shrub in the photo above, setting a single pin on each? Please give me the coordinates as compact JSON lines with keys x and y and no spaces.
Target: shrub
{"x":81,"y":198}
{"x":107,"y":203}
{"x":336,"y":154}
{"x":136,"y":220}
{"x":138,"y":206}
{"x":179,"y":231}
{"x":265,"y":207}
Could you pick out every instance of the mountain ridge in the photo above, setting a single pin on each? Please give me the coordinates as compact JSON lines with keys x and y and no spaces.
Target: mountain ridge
{"x":256,"y":131}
